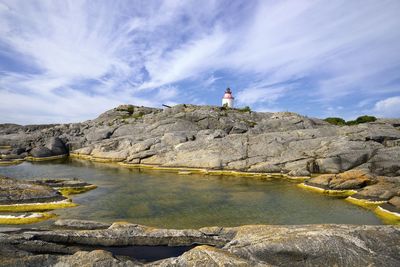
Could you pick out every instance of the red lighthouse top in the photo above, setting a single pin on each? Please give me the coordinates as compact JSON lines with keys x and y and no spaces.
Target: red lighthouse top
{"x":228,"y":94}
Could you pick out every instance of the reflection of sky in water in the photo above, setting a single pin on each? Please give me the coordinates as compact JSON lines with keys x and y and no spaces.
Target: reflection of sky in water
{"x":165,"y":199}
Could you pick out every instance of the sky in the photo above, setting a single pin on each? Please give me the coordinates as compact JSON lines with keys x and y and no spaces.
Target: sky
{"x":69,"y":61}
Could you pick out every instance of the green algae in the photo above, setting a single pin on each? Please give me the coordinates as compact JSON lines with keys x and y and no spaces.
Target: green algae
{"x":67,"y":203}
{"x":67,"y":191}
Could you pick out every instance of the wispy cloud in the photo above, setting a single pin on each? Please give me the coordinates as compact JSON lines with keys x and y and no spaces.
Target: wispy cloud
{"x":389,"y":107}
{"x":70,"y":60}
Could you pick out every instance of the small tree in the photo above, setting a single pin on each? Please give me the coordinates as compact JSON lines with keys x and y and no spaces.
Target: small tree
{"x":365,"y":118}
{"x":335,"y":121}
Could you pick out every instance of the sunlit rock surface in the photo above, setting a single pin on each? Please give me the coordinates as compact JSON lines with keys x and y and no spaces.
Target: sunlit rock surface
{"x":211,"y":137}
{"x":360,"y":157}
{"x":252,"y":245}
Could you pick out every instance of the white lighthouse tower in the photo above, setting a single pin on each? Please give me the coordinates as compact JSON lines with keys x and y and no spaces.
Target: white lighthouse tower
{"x":228,"y":98}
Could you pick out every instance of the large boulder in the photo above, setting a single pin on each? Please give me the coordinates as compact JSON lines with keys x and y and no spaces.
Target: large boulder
{"x":56,"y":146}
{"x":41,"y":152}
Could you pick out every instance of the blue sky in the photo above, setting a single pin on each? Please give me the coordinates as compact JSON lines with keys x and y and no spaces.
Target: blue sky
{"x":68,"y":61}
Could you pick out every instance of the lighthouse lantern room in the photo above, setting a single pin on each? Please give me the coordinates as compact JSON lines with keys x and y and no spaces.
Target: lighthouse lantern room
{"x":227,"y":100}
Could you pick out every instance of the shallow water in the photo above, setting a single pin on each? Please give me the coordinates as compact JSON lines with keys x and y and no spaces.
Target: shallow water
{"x":163,"y":199}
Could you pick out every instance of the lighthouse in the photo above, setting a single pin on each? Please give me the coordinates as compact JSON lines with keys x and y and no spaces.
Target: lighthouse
{"x":227,"y":100}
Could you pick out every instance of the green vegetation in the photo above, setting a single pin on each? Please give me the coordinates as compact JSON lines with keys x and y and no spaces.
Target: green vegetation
{"x":245,"y":109}
{"x":341,"y":122}
{"x":362,"y":119}
{"x":335,"y":120}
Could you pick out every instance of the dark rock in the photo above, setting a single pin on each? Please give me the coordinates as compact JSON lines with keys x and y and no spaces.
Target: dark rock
{"x":56,"y":146}
{"x":41,"y":152}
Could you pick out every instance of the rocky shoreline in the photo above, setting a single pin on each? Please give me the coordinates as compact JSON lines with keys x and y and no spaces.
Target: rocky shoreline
{"x":85,"y":243}
{"x":359,"y":163}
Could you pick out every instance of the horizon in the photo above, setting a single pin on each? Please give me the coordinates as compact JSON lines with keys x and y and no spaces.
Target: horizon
{"x":70,"y":61}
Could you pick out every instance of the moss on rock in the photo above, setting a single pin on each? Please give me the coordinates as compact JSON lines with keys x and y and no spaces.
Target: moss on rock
{"x":66,"y":191}
{"x":67,"y":203}
{"x":25,"y":218}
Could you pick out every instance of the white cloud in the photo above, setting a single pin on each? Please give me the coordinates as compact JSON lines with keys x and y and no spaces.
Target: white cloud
{"x":81,"y":52}
{"x":260,"y":94}
{"x":389,"y":107}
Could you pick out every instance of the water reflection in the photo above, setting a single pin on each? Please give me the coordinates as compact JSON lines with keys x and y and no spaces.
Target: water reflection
{"x":163,"y":199}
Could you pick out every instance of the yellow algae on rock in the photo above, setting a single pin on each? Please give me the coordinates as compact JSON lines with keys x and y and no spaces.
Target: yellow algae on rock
{"x":66,"y":203}
{"x":30,"y":158}
{"x":331,"y":192}
{"x":11,"y":162}
{"x":366,"y":203}
{"x":66,"y":191}
{"x":25,"y":218}
{"x":389,"y":217}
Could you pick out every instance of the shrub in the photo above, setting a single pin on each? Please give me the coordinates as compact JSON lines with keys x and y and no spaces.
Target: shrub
{"x":365,"y":118}
{"x":245,"y":109}
{"x":335,"y":121}
{"x":340,"y":121}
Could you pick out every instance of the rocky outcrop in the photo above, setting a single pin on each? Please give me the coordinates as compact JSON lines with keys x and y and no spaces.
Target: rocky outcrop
{"x":14,"y":191}
{"x":216,"y":138}
{"x":252,"y":245}
{"x":362,"y":188}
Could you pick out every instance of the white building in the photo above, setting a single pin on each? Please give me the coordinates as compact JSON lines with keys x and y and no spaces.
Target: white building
{"x":228,"y":98}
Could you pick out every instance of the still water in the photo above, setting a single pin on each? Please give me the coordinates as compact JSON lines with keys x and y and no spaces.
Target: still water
{"x":163,"y":199}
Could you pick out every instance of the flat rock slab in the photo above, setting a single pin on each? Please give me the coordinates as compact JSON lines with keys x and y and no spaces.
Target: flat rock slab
{"x":81,"y":224}
{"x":9,"y":229}
{"x":59,"y":183}
{"x":249,"y":245}
{"x":14,"y":191}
